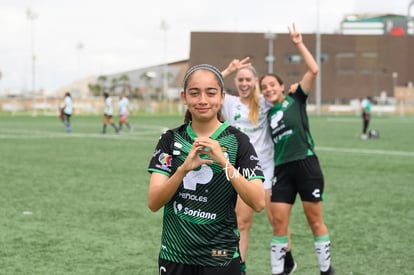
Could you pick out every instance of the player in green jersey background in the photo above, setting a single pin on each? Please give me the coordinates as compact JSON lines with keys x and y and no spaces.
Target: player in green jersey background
{"x":297,"y":169}
{"x":248,"y":112}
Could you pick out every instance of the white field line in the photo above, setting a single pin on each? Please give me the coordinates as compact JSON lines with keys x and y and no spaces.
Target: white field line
{"x":366,"y":151}
{"x":357,"y":119}
{"x":69,"y":136}
{"x":149,"y":135}
{"x":138,"y":134}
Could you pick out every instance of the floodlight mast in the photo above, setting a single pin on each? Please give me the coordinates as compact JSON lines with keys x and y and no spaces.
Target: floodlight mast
{"x":270,"y":58}
{"x":410,"y":22}
{"x":32,"y":16}
{"x":164,"y":28}
{"x":318,"y":61}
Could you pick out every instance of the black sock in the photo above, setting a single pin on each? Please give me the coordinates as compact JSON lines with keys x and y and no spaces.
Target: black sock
{"x":289,"y":258}
{"x":327,"y":272}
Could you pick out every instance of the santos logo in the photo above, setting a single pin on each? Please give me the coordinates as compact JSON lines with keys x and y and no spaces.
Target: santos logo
{"x":201,"y":176}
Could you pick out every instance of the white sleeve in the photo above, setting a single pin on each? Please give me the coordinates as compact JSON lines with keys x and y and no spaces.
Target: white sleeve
{"x":226,"y":109}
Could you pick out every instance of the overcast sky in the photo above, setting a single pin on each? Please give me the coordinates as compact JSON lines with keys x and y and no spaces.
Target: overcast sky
{"x":124,"y":35}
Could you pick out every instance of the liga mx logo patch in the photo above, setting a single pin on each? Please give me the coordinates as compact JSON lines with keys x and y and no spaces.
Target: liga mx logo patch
{"x":165,"y":159}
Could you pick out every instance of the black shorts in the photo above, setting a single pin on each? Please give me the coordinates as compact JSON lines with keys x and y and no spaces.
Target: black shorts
{"x":171,"y":268}
{"x":107,"y":116}
{"x":303,"y":177}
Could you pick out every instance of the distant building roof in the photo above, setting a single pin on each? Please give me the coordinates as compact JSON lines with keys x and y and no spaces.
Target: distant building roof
{"x":175,"y":71}
{"x":369,"y":17}
{"x":377,"y":24}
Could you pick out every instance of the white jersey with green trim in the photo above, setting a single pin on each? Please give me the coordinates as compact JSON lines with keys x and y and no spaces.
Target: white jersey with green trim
{"x":108,"y":108}
{"x":237,"y":114}
{"x":123,"y":106}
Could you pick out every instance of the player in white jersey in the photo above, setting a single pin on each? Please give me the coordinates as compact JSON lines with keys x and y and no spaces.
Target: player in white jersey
{"x":67,"y":112}
{"x":108,"y":113}
{"x":248,"y":113}
{"x":123,"y":112}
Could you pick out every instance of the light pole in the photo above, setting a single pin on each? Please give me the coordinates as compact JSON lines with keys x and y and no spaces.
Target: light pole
{"x":394,"y":85}
{"x":79,"y":47}
{"x":149,"y":76}
{"x":32,"y":16}
{"x":394,"y":80}
{"x":164,"y":28}
{"x":318,"y":61}
{"x":270,"y":58}
{"x":410,"y":27}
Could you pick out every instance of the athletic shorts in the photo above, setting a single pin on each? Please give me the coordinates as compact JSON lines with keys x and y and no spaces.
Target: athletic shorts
{"x":107,"y":116}
{"x":268,"y":174}
{"x":123,"y":117}
{"x":171,"y":268}
{"x":303,"y":177}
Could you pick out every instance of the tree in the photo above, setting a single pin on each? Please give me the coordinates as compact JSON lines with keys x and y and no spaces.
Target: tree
{"x":126,"y":87}
{"x":95,"y":89}
{"x":114,"y":84}
{"x":101,"y":82}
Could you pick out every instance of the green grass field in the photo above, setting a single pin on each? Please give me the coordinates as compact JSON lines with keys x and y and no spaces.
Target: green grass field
{"x":77,"y":203}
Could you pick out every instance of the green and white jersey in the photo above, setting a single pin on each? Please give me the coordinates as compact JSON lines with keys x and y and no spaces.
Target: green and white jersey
{"x":289,"y":126}
{"x":366,"y":105}
{"x":199,"y":222}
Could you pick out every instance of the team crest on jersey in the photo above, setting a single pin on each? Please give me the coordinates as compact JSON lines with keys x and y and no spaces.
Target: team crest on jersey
{"x":236,"y":117}
{"x":225,"y":150}
{"x":275,"y":119}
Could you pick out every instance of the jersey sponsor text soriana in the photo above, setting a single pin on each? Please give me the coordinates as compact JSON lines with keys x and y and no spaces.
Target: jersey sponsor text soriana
{"x":199,"y":222}
{"x":290,"y":129}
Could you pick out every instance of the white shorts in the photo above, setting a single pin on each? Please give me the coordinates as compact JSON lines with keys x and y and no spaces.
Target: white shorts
{"x":268,"y":174}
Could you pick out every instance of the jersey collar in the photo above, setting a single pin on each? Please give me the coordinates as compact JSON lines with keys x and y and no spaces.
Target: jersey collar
{"x":219,"y":130}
